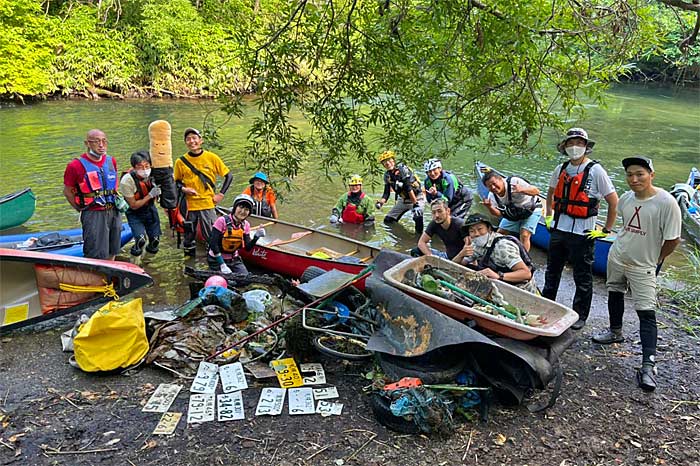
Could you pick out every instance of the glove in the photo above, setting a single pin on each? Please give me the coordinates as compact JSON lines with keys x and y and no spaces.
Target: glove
{"x":224,"y":269}
{"x":417,"y":211}
{"x":399,"y":184}
{"x":334,"y":218}
{"x":378,"y":205}
{"x":259,"y":233}
{"x":154,"y":192}
{"x":594,"y":234}
{"x":548,"y":221}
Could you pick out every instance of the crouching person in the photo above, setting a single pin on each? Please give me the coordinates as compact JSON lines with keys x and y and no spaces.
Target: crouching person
{"x":496,"y":256}
{"x":140,"y":192}
{"x":230,"y":233}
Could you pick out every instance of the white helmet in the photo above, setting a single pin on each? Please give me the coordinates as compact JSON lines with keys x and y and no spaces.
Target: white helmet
{"x":243,"y":199}
{"x":432,"y":164}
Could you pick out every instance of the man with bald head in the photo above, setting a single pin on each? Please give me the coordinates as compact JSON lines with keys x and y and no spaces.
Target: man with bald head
{"x":90,"y":186}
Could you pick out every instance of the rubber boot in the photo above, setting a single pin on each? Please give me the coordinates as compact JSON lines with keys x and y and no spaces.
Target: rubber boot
{"x":419,"y":225}
{"x":612,"y":335}
{"x":646,"y":377}
{"x":137,"y":248}
{"x":153,"y":245}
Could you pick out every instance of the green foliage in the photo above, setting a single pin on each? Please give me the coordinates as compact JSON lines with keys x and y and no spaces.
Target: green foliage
{"x":682,"y":292}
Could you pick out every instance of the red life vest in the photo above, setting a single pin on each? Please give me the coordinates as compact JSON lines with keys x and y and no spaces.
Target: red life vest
{"x":350,"y":214}
{"x":98,"y":186}
{"x":570,"y":197}
{"x":142,"y":187}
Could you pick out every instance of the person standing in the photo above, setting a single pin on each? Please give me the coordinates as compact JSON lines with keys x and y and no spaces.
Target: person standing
{"x":573,"y":198}
{"x":140,"y":192}
{"x":516,"y":201}
{"x":263,"y":196}
{"x":353,"y":206}
{"x":446,"y":226}
{"x":90,"y":184}
{"x":651,"y":229}
{"x":407,"y":187}
{"x":195,"y":175}
{"x":444,"y":184}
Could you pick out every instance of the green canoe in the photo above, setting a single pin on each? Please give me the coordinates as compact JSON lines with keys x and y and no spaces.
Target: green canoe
{"x":16,"y":208}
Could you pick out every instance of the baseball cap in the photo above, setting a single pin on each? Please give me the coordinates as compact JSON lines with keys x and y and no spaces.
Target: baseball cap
{"x":638,"y":160}
{"x":192,"y":131}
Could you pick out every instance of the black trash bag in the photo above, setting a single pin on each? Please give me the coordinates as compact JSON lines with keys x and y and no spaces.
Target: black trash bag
{"x":168,"y":191}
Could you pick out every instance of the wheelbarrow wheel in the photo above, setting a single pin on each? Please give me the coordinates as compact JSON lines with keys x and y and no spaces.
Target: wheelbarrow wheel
{"x":341,"y":347}
{"x":382,"y":412}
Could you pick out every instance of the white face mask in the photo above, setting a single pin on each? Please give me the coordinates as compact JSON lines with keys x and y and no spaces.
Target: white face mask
{"x":480,"y":241}
{"x":575,"y":152}
{"x":144,"y":173}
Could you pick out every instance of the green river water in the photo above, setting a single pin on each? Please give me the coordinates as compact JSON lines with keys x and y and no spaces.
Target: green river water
{"x":39,"y":139}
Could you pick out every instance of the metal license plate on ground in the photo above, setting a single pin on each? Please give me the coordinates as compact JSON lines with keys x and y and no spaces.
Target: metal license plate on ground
{"x":167,"y":424}
{"x":329,"y":408}
{"x":312,"y":373}
{"x":201,"y":408}
{"x":271,"y":402}
{"x":325,"y":393}
{"x":287,"y":373}
{"x":206,"y":379}
{"x":301,"y":401}
{"x":232,"y":377}
{"x":162,"y":398}
{"x":229,"y":407}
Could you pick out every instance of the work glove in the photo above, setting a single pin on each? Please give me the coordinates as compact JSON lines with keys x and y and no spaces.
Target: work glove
{"x":417,"y":211}
{"x":154,"y":192}
{"x":224,"y":269}
{"x":378,"y":205}
{"x":259,"y":233}
{"x":399,"y":185}
{"x":594,"y":234}
{"x":335,"y":216}
{"x":548,"y":221}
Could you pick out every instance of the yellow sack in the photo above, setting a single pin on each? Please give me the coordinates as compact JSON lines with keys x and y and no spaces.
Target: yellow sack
{"x":113,"y":338}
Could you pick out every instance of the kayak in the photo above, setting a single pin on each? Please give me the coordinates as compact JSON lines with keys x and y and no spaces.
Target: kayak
{"x":541,"y":236}
{"x":64,"y":242}
{"x":16,"y":208}
{"x":688,"y":196}
{"x":37,"y":286}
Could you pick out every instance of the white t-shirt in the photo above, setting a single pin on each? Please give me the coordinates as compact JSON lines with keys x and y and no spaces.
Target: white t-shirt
{"x":519,"y":199}
{"x":598,"y":185}
{"x":127,"y":187}
{"x":646,"y":224}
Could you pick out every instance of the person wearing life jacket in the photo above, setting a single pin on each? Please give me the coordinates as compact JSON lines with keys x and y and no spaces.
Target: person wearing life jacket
{"x":444,"y":184}
{"x":140,"y":192}
{"x":496,"y":256}
{"x":407,"y":189}
{"x":353,"y":206}
{"x":230,"y":233}
{"x":264,"y":198}
{"x":575,"y":190}
{"x":516,"y":201}
{"x":90,"y":187}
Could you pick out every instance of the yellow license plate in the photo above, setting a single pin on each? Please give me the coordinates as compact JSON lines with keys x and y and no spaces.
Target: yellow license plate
{"x":287,"y":373}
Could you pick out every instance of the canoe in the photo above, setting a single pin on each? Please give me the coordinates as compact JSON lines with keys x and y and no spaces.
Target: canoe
{"x":541,"y":236}
{"x":555,"y":317}
{"x":289,"y":249}
{"x":30,"y":283}
{"x":688,"y":196}
{"x":64,"y":242}
{"x":16,"y":208}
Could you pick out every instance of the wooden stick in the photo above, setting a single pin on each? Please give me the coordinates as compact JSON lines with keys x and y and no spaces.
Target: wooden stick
{"x":365,"y":259}
{"x":320,"y":451}
{"x":362,"y":446}
{"x":262,"y":225}
{"x":291,"y":240}
{"x":79,"y":452}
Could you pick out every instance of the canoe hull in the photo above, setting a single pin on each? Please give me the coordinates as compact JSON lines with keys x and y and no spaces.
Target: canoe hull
{"x":16,"y":208}
{"x":74,"y":248}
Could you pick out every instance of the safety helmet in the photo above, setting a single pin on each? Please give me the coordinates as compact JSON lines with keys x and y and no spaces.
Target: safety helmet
{"x":354,"y":180}
{"x":432,"y":164}
{"x":386,"y":155}
{"x":243,"y":199}
{"x":260,"y":176}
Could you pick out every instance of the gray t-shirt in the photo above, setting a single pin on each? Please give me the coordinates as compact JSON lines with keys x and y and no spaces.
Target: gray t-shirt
{"x":646,"y":224}
{"x":519,"y":199}
{"x":598,"y":185}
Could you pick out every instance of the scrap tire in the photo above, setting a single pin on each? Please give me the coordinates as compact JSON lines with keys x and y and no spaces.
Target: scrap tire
{"x":310,"y":273}
{"x":430,"y":368}
{"x":382,"y":412}
{"x":320,"y":344}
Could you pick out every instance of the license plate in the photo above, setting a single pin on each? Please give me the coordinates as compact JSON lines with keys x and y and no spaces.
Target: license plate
{"x":167,"y":424}
{"x":301,"y":401}
{"x":287,"y":373}
{"x":162,"y":398}
{"x":329,"y":408}
{"x":312,"y":373}
{"x":325,"y":393}
{"x":270,"y":402}
{"x":206,"y":379}
{"x":232,"y":377}
{"x":201,"y":408}
{"x":229,"y":407}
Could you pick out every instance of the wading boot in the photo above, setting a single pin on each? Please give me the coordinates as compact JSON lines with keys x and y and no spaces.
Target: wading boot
{"x":137,"y":248}
{"x":613,"y":335}
{"x":153,"y":245}
{"x":579,"y":324}
{"x":190,"y":251}
{"x":646,"y":377}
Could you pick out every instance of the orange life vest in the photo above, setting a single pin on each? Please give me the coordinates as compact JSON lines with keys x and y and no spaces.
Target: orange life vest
{"x":142,"y":187}
{"x":233,"y":237}
{"x":570,"y":197}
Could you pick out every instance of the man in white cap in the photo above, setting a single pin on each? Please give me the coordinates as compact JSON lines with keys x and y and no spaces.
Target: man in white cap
{"x":573,"y":198}
{"x":651,"y":229}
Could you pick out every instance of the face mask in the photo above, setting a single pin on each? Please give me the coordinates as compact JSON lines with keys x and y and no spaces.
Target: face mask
{"x":94,"y":154}
{"x":143,"y":174}
{"x":480,"y":241}
{"x":575,"y":152}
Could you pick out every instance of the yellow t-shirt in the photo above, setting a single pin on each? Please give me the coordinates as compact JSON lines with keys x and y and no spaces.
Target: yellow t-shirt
{"x":211,"y":166}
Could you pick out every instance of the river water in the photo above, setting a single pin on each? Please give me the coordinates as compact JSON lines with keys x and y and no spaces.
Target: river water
{"x":39,"y":139}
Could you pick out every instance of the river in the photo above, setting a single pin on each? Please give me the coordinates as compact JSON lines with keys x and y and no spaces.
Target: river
{"x":40,"y":138}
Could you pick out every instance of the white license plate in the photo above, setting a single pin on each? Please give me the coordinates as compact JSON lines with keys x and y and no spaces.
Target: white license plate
{"x":232,"y":377}
{"x":287,"y":373}
{"x":312,"y":373}
{"x":301,"y":401}
{"x":271,"y":402}
{"x":229,"y":407}
{"x":325,"y":393}
{"x":206,"y":379}
{"x":329,"y":408}
{"x":201,"y":408}
{"x":162,"y":398}
{"x":167,"y":424}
